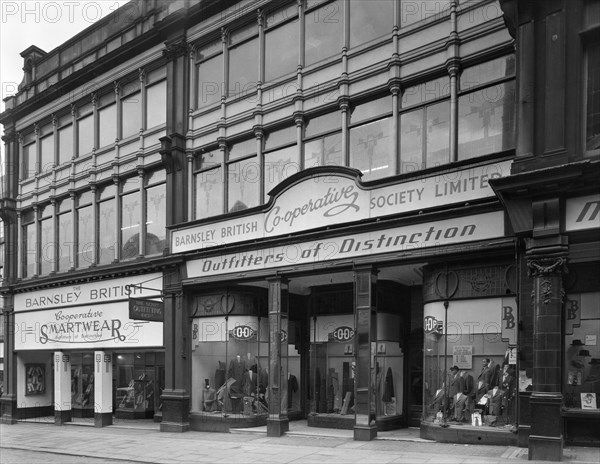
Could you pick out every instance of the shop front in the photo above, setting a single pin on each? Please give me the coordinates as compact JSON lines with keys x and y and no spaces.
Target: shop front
{"x":82,"y":353}
{"x":313,"y":307}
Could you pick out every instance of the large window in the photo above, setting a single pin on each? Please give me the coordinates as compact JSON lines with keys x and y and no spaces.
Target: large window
{"x":281,"y":42}
{"x":29,"y":162}
{"x":243,"y":61}
{"x":208,"y":183}
{"x":47,"y":149}
{"x":370,"y":19}
{"x":371,"y":142}
{"x":323,"y":141}
{"x":130,"y":218}
{"x":47,"y":242}
{"x":156,"y":204}
{"x":85,"y":134}
{"x":592,"y":103}
{"x":65,"y":143}
{"x":131,"y":109}
{"x":156,"y":104}
{"x":107,"y":218}
{"x":210,"y":74}
{"x":280,"y":158}
{"x":29,"y":245}
{"x":65,"y":235}
{"x":107,"y":122}
{"x":486,"y":108}
{"x":425,"y":126}
{"x":324,"y":31}
{"x":85,"y":230}
{"x":243,"y":176}
{"x":414,"y":11}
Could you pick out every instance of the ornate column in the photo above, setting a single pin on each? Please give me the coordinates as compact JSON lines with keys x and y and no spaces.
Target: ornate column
{"x":546,"y":266}
{"x":278,"y":422}
{"x":365,"y":340}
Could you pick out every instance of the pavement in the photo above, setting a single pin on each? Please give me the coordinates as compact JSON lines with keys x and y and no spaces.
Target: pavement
{"x":141,"y":441}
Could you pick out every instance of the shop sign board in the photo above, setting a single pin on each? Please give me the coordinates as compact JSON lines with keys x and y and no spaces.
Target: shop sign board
{"x":85,"y":327}
{"x":583,"y":213}
{"x":143,"y":309}
{"x":242,"y":332}
{"x":510,"y":320}
{"x":342,"y":334}
{"x":413,"y":237}
{"x":327,"y":199}
{"x":432,"y":325}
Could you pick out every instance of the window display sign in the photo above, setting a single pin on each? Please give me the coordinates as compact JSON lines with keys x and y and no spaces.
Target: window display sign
{"x":588,"y":401}
{"x":326,"y":198}
{"x":572,"y":313}
{"x":462,"y":356}
{"x":243,"y":332}
{"x":510,"y":320}
{"x":35,"y":379}
{"x":342,"y":334}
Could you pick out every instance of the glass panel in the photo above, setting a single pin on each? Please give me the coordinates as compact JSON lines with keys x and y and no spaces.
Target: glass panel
{"x":85,"y":242}
{"x":130,"y":184}
{"x":413,"y":11}
{"x":48,"y":246}
{"x":370,"y":19}
{"x":156,"y":105}
{"x":243,"y":180}
{"x":372,"y":109}
{"x":107,"y":124}
{"x":107,"y":191}
{"x":281,"y":50}
{"x":82,"y":384}
{"x":438,"y":134}
{"x":107,"y":240}
{"x":243,"y":33}
{"x":210,"y":81}
{"x":130,"y":225}
{"x":426,"y":91}
{"x":85,"y":198}
{"x":244,"y":148}
{"x":132,"y":115}
{"x":208,"y":159}
{"x":411,"y":141}
{"x":324,"y":29}
{"x":29,"y":250}
{"x":243,"y":68}
{"x":582,"y":353}
{"x":280,"y":137}
{"x":485,"y":72}
{"x":321,"y":124}
{"x":154,"y":177}
{"x":209,"y":193}
{"x":65,"y":241}
{"x":282,"y":14}
{"x":29,"y":161}
{"x":209,"y":49}
{"x":592,"y":131}
{"x":156,"y":205}
{"x":85,"y":135}
{"x":280,"y":165}
{"x":371,"y":149}
{"x":325,"y":151}
{"x":486,"y":121}
{"x":65,"y":144}
{"x":47,"y":153}
{"x":138,"y":383}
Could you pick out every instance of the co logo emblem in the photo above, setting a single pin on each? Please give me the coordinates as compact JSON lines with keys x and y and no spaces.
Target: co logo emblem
{"x":242,"y":332}
{"x":343,"y":334}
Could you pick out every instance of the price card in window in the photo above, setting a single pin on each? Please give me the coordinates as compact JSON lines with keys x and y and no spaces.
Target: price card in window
{"x":590,"y":340}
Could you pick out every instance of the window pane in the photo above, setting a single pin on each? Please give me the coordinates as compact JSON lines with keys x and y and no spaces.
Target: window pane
{"x":486,"y":121}
{"x":325,"y":151}
{"x":372,"y":109}
{"x":107,"y":123}
{"x":426,"y":91}
{"x":85,"y":135}
{"x":154,"y":177}
{"x":107,"y":217}
{"x":592,"y":134}
{"x":29,"y":250}
{"x":48,"y":245}
{"x":370,"y":19}
{"x":280,"y":137}
{"x":47,"y":153}
{"x":208,"y":159}
{"x":244,"y":148}
{"x":281,"y":50}
{"x":321,"y":124}
{"x":283,"y":14}
{"x":85,"y":241}
{"x":324,"y":32}
{"x":280,"y":165}
{"x":65,"y":241}
{"x":130,"y":225}
{"x":413,"y":11}
{"x":411,"y":141}
{"x":371,"y":149}
{"x":107,"y":191}
{"x":132,"y":114}
{"x":65,"y":144}
{"x":130,"y":184}
{"x":156,"y":106}
{"x":488,"y":71}
{"x":243,"y":68}
{"x":243,"y":180}
{"x":438,"y":134}
{"x":210,"y":81}
{"x":209,"y":193}
{"x":29,"y":161}
{"x":156,"y":205}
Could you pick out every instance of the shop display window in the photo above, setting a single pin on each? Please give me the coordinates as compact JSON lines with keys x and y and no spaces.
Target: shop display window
{"x":82,"y":384}
{"x":469,"y":369}
{"x":582,"y":354}
{"x":139,"y":383}
{"x":230,"y":369}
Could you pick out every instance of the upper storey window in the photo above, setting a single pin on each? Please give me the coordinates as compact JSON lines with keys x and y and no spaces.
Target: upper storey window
{"x":592,"y":96}
{"x":414,"y":11}
{"x":281,"y":42}
{"x":324,"y":30}
{"x":156,"y":98}
{"x":243,"y":60}
{"x":107,"y":121}
{"x":209,"y":74}
{"x":370,"y":19}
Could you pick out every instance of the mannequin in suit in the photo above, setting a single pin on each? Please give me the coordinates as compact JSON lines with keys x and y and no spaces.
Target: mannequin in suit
{"x":249,"y":382}
{"x":486,"y":373}
{"x":209,"y":397}
{"x":496,"y":396}
{"x":469,"y":390}
{"x":455,"y":388}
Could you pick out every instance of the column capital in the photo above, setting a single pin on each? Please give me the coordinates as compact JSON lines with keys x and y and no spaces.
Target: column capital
{"x":543,"y":266}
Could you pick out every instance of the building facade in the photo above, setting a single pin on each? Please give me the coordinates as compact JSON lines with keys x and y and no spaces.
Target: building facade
{"x":326,"y":196}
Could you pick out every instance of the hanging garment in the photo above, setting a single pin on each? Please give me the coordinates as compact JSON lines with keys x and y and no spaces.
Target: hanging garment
{"x":292,"y":388}
{"x":388,"y":388}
